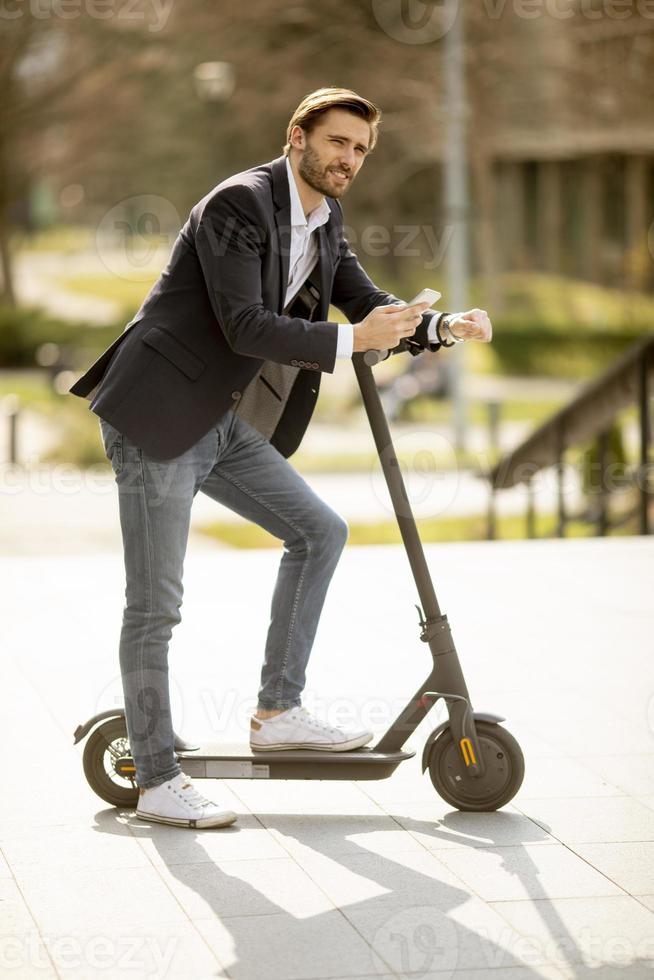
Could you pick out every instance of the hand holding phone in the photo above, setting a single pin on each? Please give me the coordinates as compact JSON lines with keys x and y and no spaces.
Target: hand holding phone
{"x":425,"y":296}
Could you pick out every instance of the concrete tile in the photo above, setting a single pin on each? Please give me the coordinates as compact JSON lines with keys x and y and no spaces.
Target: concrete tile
{"x":408,"y":783}
{"x":629,"y":865}
{"x":104,"y":844}
{"x":403,"y":878}
{"x":99,"y":901}
{"x":238,"y":888}
{"x":537,"y":972}
{"x":301,"y":796}
{"x":16,"y":828}
{"x":534,"y":746}
{"x":323,"y":946}
{"x":396,"y":790}
{"x":333,"y":835}
{"x":344,"y":880}
{"x":16,"y":918}
{"x":172,"y":951}
{"x":245,"y":840}
{"x":610,"y":819}
{"x":633,"y":774}
{"x":22,"y":951}
{"x":24,"y":956}
{"x":635,"y":971}
{"x":421,"y":936}
{"x":4,"y":867}
{"x":562,"y":776}
{"x":540,"y":972}
{"x":531,"y":871}
{"x":615,"y":932}
{"x":569,"y":716}
{"x":456,"y":829}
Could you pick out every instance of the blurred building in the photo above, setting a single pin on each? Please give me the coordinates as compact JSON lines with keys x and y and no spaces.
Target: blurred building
{"x":571,"y":155}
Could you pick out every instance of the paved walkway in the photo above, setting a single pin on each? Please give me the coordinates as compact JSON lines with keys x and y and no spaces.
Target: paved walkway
{"x":339,"y":880}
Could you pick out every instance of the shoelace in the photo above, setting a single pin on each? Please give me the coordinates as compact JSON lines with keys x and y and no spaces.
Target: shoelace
{"x":322,"y":726}
{"x":191,"y":795}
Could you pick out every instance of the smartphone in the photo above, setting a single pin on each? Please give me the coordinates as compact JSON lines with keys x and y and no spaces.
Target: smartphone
{"x":425,"y":296}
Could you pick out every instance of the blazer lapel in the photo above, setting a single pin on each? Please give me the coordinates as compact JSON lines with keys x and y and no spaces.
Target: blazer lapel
{"x":282,"y":200}
{"x":326,"y":271}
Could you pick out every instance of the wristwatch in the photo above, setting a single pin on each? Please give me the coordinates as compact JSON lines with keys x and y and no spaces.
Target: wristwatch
{"x":444,"y":333}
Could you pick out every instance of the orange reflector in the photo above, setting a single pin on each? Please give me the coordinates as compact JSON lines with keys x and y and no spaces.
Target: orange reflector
{"x":468,"y":752}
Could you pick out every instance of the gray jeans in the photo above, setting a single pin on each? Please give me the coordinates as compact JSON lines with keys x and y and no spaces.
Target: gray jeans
{"x":236,"y":466}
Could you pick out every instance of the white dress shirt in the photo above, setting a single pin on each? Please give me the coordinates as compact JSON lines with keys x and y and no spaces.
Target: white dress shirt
{"x":303,"y":258}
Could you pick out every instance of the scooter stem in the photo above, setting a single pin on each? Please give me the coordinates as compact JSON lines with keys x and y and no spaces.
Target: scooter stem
{"x":446,"y":674}
{"x":396,"y":487}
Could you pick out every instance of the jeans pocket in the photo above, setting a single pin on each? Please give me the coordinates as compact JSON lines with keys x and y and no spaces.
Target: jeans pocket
{"x":113,"y":445}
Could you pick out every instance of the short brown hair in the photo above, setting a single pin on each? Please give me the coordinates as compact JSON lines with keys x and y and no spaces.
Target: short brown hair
{"x":322,"y":100}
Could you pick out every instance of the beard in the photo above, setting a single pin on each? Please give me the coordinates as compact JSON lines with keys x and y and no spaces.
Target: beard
{"x":317,"y":176}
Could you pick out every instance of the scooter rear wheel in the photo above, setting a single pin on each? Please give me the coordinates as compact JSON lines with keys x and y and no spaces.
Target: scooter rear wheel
{"x":505,"y":768}
{"x":105,"y":746}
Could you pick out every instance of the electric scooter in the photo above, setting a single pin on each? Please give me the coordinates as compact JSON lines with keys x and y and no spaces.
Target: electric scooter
{"x":473,"y":762}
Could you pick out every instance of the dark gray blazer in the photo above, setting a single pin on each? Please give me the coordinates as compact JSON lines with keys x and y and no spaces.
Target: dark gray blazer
{"x":213,"y":319}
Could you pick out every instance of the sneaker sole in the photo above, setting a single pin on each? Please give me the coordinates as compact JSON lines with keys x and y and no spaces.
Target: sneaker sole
{"x":202,"y":824}
{"x":354,"y":743}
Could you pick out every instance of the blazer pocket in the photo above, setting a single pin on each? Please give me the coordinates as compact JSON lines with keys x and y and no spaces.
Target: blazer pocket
{"x":175,"y":352}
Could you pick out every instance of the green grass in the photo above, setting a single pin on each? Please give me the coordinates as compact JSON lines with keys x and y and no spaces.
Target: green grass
{"x":310,"y":462}
{"x":67,"y":239}
{"x":62,"y":238}
{"x":32,"y":387}
{"x":432,"y":531}
{"x":115,"y":288}
{"x":561,"y":303}
{"x":424,"y":409}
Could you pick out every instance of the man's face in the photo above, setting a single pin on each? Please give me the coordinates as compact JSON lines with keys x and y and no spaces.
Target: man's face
{"x":333,"y":152}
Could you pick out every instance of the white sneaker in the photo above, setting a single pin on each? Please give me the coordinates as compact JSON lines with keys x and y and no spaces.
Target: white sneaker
{"x":295,"y":728}
{"x":179,"y":803}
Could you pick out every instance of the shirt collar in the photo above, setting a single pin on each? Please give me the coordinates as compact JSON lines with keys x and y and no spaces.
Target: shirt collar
{"x":319,"y":215}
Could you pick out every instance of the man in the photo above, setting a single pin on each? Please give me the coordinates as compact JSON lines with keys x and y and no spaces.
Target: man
{"x":211,"y":388}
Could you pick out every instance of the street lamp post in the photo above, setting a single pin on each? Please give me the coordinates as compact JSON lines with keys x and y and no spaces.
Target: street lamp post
{"x":456,"y":202}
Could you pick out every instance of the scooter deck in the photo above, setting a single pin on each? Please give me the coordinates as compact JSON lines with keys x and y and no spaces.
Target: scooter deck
{"x":239,"y":762}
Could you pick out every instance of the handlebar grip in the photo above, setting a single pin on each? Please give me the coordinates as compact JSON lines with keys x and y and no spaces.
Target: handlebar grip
{"x":372,"y":357}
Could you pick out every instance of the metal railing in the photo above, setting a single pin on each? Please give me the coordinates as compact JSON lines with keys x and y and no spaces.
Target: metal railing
{"x":590,"y":415}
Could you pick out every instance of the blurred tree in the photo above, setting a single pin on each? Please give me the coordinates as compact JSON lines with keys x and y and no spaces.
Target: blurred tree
{"x":64,"y":75}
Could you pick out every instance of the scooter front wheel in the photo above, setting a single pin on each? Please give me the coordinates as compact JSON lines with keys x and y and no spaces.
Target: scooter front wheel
{"x":504,"y":763}
{"x":105,"y":746}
